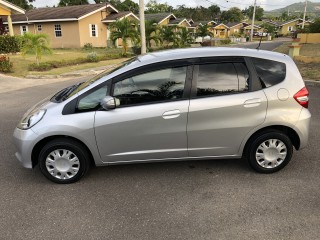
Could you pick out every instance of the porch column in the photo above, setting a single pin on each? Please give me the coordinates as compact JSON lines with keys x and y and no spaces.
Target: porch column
{"x":10,"y":26}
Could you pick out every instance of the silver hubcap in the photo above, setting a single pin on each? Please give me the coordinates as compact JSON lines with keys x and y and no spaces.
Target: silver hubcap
{"x":271,"y":153}
{"x":62,"y":164}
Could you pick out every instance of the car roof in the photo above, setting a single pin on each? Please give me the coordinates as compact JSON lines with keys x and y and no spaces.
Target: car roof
{"x":186,"y":53}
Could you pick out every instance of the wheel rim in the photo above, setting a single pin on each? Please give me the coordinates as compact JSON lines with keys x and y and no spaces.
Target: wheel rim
{"x":271,"y":153}
{"x":62,"y":164}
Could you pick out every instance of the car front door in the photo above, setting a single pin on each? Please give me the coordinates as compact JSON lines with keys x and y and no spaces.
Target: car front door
{"x":151,"y":121}
{"x":226,"y":103}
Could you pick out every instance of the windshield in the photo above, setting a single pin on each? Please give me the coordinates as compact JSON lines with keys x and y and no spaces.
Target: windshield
{"x":72,"y":90}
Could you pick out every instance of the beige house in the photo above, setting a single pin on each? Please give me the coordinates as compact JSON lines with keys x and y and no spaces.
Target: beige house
{"x":71,"y":26}
{"x":6,"y":10}
{"x":286,"y":28}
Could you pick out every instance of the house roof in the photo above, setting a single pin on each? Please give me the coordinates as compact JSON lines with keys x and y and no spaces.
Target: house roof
{"x":159,"y":17}
{"x":68,"y":13}
{"x":219,"y":24}
{"x":233,"y":24}
{"x":117,"y":16}
{"x":13,"y":8}
{"x":178,"y":21}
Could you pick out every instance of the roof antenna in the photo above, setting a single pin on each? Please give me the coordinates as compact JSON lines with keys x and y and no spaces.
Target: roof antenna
{"x":258,"y":48}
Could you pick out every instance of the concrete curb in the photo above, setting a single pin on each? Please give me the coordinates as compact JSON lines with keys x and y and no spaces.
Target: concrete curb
{"x":312,"y":83}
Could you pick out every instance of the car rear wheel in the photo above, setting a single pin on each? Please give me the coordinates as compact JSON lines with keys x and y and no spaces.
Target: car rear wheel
{"x":64,"y":161}
{"x":270,"y":152}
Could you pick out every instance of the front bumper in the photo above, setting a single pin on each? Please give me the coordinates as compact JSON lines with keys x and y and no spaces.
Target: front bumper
{"x":24,"y":140}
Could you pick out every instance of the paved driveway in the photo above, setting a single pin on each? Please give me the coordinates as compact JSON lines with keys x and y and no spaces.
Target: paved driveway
{"x":218,"y":199}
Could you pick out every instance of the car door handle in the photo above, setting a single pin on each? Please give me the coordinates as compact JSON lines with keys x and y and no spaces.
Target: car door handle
{"x":252,"y":102}
{"x":171,"y":114}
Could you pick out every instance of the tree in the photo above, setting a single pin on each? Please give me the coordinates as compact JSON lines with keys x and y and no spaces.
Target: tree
{"x":203,"y":31}
{"x":154,"y":7}
{"x":126,"y":5}
{"x":249,"y":12}
{"x":234,"y":14}
{"x":25,"y":4}
{"x":269,"y":28}
{"x":214,"y":11}
{"x":125,"y":30}
{"x":167,"y":36}
{"x":36,"y":44}
{"x":151,"y":32}
{"x":184,"y":37}
{"x":64,"y":3}
{"x":315,"y":27}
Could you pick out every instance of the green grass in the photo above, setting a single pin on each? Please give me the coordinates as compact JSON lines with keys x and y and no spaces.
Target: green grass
{"x":21,"y":63}
{"x":62,"y":70}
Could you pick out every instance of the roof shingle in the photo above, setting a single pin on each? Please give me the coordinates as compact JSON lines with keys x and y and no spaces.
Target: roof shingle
{"x":68,"y":12}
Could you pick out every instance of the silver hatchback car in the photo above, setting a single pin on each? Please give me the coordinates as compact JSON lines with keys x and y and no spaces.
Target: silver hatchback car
{"x":201,"y":103}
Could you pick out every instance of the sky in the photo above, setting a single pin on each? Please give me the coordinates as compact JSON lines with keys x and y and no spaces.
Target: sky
{"x":224,"y":4}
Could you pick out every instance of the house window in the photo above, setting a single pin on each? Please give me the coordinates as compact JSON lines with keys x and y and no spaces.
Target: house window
{"x":290,"y":28}
{"x":23,"y":29}
{"x":57,"y":30}
{"x":39,"y":28}
{"x":93,"y":28}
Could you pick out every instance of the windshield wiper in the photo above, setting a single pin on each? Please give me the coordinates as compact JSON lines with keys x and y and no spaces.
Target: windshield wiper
{"x":70,"y":90}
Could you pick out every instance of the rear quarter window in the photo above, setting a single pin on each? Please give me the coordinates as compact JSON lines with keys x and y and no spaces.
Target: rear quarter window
{"x":270,"y":72}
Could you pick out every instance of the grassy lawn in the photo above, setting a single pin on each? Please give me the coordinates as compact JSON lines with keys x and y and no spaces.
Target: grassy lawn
{"x":21,"y":63}
{"x":307,"y":70}
{"x":61,"y":70}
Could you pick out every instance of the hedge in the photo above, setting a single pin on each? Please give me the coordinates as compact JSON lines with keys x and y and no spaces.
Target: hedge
{"x":9,"y":44}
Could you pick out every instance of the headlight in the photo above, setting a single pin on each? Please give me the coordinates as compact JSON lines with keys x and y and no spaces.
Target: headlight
{"x":31,"y":119}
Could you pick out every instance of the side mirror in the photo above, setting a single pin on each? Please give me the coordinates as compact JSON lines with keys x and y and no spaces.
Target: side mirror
{"x":109,"y":103}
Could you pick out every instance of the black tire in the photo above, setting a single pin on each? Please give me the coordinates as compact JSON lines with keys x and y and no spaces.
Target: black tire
{"x":77,"y":149}
{"x":257,"y":141}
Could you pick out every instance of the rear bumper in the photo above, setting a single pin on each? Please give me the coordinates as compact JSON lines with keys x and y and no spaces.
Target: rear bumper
{"x":302,"y":127}
{"x":24,"y":140}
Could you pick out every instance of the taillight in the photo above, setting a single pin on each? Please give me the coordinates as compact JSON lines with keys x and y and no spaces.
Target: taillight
{"x":302,"y":97}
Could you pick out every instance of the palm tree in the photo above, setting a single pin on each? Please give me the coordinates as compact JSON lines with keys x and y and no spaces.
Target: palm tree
{"x":36,"y":44}
{"x":151,"y":33}
{"x":203,"y":31}
{"x":167,"y":35}
{"x":184,"y":37}
{"x":126,"y":30}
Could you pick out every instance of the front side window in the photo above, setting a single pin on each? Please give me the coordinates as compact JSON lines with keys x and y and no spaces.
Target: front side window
{"x":93,"y":99}
{"x":222,"y":78}
{"x":269,"y":72}
{"x":57,"y":30}
{"x":155,"y":86}
{"x":39,"y":28}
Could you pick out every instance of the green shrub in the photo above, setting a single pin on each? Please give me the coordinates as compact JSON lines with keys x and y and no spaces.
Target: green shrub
{"x":92,"y":57}
{"x":87,"y":46}
{"x":225,"y":41}
{"x":10,"y":44}
{"x":5,"y":64}
{"x":44,"y":66}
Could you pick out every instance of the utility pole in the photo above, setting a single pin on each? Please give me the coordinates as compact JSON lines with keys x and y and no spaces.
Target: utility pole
{"x":253,"y":17}
{"x":142,"y":27}
{"x":304,"y":14}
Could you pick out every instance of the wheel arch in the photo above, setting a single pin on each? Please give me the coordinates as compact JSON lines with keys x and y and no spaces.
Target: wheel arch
{"x":291,"y":133}
{"x":39,"y":145}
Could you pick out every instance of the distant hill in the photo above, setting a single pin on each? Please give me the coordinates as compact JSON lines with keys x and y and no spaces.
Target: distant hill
{"x":313,"y":9}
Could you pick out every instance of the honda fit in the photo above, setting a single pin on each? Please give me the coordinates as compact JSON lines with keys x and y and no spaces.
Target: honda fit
{"x":187,"y":104}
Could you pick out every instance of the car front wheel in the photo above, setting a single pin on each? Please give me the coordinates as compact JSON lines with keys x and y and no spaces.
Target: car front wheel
{"x":64,"y":161}
{"x":270,"y":152}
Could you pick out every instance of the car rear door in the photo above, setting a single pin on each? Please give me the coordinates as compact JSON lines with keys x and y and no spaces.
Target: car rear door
{"x":226,"y":103}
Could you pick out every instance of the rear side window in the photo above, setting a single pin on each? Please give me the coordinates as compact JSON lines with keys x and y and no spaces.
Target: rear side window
{"x":222,"y":78}
{"x":270,"y":72}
